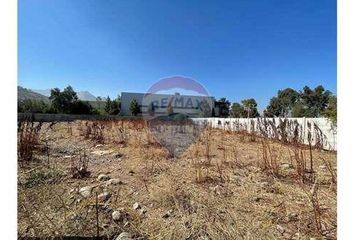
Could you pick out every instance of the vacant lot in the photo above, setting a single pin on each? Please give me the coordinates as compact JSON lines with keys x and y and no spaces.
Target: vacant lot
{"x":103,"y":178}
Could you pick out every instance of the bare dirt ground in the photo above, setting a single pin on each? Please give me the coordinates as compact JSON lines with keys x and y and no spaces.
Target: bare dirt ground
{"x":220,"y":188}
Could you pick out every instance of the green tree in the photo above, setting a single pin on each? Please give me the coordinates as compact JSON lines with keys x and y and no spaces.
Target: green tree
{"x":108,"y":105}
{"x":33,"y":106}
{"x":224,"y":107}
{"x":112,"y":107}
{"x":316,"y":100}
{"x":134,"y":107}
{"x":306,"y":103}
{"x":250,"y":105}
{"x":63,"y":101}
{"x":238,"y":111}
{"x":115,"y":106}
{"x":274,"y":108}
{"x":288,"y":97}
{"x":204,"y":109}
{"x":66,"y":101}
{"x":331,"y":111}
{"x":81,"y":107}
{"x":300,"y":110}
{"x":57,"y":99}
{"x":282,"y":105}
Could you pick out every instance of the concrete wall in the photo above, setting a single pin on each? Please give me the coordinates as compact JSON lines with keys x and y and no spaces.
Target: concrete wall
{"x":320,"y":129}
{"x":46,"y":117}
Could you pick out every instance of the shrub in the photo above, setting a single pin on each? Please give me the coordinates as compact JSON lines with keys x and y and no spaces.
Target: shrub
{"x":169,"y":109}
{"x":33,"y":106}
{"x":331,"y":111}
{"x":134,"y":107}
{"x":79,"y":167}
{"x":204,"y":109}
{"x":28,"y":137}
{"x":66,"y":101}
{"x":42,"y":176}
{"x":81,"y":107}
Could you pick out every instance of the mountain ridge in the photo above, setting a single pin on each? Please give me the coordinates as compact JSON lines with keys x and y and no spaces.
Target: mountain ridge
{"x":82,"y":95}
{"x":28,"y":94}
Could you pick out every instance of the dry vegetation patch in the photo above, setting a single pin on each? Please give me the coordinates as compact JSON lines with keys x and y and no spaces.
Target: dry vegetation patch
{"x":103,"y":178}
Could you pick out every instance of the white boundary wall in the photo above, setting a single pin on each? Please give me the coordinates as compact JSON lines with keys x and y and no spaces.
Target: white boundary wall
{"x":307,"y":125}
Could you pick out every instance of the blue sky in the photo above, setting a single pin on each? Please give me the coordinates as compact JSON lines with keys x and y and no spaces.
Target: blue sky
{"x":236,"y":49}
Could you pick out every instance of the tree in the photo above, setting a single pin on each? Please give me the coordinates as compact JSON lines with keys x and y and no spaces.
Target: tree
{"x":169,"y":109}
{"x":300,"y":110}
{"x":57,"y":100}
{"x":134,"y":107}
{"x":67,"y":102}
{"x":205,"y":109}
{"x":115,"y":106}
{"x":81,"y":107}
{"x":63,"y":101}
{"x":247,"y":109}
{"x":282,"y":105}
{"x":250,"y":105}
{"x":33,"y":106}
{"x":112,"y":107}
{"x":274,"y":109}
{"x":224,"y":107}
{"x":238,"y":111}
{"x":315,"y":100}
{"x":306,"y":103}
{"x":331,"y":110}
{"x":107,"y":107}
{"x":287,"y":97}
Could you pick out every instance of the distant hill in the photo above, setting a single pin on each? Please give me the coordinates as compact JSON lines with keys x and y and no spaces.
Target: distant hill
{"x":86,"y":96}
{"x":24,"y":93}
{"x":44,"y":92}
{"x":83,"y":95}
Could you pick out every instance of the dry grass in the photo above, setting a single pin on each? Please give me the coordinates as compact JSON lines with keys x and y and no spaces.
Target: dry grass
{"x":28,"y":139}
{"x":227,"y":185}
{"x":79,"y":166}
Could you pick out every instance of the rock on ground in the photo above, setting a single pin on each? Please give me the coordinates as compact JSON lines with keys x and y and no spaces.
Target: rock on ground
{"x":86,"y":191}
{"x":119,"y":214}
{"x":285,"y":166}
{"x":102,"y":152}
{"x":103,"y":177}
{"x":136,"y":206}
{"x":104,"y":196}
{"x":124,"y":236}
{"x":114,"y":181}
{"x":168,"y":214}
{"x":142,"y":210}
